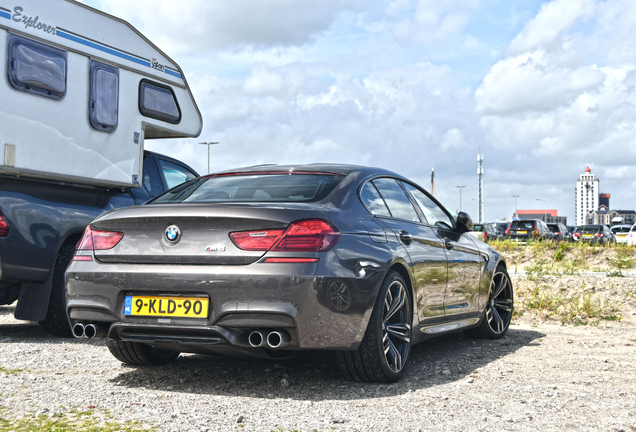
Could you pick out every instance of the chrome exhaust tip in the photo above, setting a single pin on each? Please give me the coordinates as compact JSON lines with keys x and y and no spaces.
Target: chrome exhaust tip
{"x":256,"y":339}
{"x":278,"y":339}
{"x":90,"y":331}
{"x":79,"y":330}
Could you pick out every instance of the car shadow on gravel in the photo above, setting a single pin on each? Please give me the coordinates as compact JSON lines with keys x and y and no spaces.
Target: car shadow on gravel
{"x":314,"y":376}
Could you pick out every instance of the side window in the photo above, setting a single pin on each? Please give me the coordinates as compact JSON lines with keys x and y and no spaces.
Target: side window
{"x":398,"y":202}
{"x":152,"y":179}
{"x":373,"y":201}
{"x":175,"y":174}
{"x":37,"y":68}
{"x":158,"y":101}
{"x":433,"y":212}
{"x":104,"y":100}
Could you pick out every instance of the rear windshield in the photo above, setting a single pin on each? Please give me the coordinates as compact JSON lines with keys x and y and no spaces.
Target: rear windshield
{"x":522,"y":225}
{"x":554,"y":228}
{"x":589,"y":229}
{"x":259,"y":187}
{"x":621,"y":229}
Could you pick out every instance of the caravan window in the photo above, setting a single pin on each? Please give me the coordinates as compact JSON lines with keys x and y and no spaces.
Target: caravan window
{"x":158,"y":101}
{"x":37,"y":68}
{"x":104,"y":98}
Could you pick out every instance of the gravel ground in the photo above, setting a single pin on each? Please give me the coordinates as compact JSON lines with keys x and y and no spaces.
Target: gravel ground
{"x":541,"y":376}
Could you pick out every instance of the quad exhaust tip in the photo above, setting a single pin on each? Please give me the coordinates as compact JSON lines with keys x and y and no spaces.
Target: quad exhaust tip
{"x":273,"y":340}
{"x":89,"y":331}
{"x":79,"y":330}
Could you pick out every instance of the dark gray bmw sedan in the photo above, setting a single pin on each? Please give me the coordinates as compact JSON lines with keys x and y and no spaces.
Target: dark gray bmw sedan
{"x":268,"y":260}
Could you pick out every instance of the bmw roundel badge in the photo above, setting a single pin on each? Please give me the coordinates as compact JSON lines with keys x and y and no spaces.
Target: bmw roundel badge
{"x":173,"y":234}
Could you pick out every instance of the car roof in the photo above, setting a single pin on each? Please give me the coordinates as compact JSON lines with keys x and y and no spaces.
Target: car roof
{"x":338,"y":169}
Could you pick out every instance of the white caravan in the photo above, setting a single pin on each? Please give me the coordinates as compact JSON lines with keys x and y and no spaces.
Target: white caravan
{"x":82,"y":91}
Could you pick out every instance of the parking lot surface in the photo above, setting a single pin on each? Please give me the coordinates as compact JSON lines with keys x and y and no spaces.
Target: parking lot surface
{"x":544,"y":377}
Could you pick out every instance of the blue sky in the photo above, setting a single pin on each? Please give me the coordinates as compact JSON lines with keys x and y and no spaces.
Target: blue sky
{"x":545,"y":88}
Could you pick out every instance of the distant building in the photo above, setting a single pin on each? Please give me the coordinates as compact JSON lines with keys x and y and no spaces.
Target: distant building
{"x":605,"y":217}
{"x":603,"y":201}
{"x":586,"y":197}
{"x":548,"y":216}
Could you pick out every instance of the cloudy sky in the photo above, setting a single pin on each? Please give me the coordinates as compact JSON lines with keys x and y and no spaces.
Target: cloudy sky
{"x":545,"y":88}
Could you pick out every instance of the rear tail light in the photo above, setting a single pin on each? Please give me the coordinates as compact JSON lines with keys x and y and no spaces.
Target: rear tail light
{"x":485,"y":236}
{"x":508,"y":231}
{"x":4,"y":225}
{"x":577,"y":234}
{"x":309,"y":235}
{"x":260,"y":240}
{"x":96,"y":240}
{"x":536,"y":232}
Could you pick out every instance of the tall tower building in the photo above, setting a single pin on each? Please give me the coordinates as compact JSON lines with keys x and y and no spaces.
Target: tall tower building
{"x":586,"y":196}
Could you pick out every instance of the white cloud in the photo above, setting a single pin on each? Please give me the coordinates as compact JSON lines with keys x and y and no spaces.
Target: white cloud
{"x":203,"y":25}
{"x":555,"y":18}
{"x":453,"y":139}
{"x":532,"y":82}
{"x":564,"y":95}
{"x":429,"y":21}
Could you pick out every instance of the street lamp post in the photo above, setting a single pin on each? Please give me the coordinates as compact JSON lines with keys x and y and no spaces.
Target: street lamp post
{"x":515,"y":197}
{"x":460,"y":196}
{"x":209,"y":144}
{"x":545,"y":212}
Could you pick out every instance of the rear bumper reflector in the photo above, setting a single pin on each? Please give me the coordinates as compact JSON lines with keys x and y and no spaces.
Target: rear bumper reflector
{"x":290,"y":260}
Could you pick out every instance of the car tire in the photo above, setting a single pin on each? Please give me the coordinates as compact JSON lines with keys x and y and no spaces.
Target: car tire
{"x":498,"y":311}
{"x":386,"y":346}
{"x":56,"y":322}
{"x":139,"y":354}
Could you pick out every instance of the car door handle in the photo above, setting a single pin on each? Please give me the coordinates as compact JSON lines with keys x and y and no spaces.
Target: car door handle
{"x":448,"y":243}
{"x":406,"y":237}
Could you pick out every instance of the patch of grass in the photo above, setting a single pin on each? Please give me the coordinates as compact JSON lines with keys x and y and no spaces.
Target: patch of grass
{"x":76,"y":421}
{"x":631,"y":293}
{"x":623,"y":260}
{"x":505,"y":245}
{"x":9,"y":371}
{"x":584,"y":309}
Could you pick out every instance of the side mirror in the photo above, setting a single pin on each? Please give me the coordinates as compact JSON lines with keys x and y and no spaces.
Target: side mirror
{"x":464,"y":223}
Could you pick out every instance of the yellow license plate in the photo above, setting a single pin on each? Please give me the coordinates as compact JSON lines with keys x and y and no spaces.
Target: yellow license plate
{"x":522,"y":232}
{"x":166,"y":306}
{"x":588,"y":235}
{"x":621,"y":235}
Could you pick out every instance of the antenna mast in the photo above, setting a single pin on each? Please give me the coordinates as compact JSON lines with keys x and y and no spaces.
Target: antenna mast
{"x":480,"y":174}
{"x":432,"y":179}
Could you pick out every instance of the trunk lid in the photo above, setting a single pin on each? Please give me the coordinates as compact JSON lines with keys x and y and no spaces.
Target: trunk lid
{"x":203,"y":231}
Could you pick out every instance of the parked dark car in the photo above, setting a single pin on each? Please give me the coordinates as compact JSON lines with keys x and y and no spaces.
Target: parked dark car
{"x":529,"y":229}
{"x":44,"y":220}
{"x":560,"y":232}
{"x":594,"y":234}
{"x":501,"y":228}
{"x":267,"y":260}
{"x":484,"y":232}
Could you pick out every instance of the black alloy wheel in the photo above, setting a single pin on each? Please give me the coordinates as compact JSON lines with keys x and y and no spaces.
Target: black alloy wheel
{"x":498,"y":310}
{"x":385,"y":349}
{"x":396,"y":330}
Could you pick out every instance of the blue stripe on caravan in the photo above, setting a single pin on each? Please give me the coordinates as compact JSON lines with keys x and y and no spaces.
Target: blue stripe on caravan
{"x":5,"y":14}
{"x":173,"y":73}
{"x":102,"y":48}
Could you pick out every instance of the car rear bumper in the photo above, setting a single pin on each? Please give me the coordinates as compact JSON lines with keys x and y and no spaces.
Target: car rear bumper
{"x":303,"y":300}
